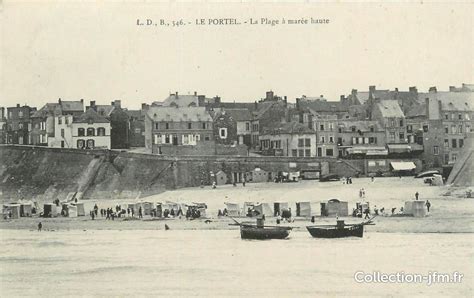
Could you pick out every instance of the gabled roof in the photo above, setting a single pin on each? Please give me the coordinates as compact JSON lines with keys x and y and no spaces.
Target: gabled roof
{"x":451,"y":101}
{"x":389,"y":109}
{"x":181,"y":100}
{"x":72,"y":106}
{"x":289,"y":128}
{"x":239,"y":114}
{"x":323,"y":105}
{"x":416,"y":111}
{"x":104,"y":110}
{"x":47,"y":110}
{"x":175,"y":114}
{"x":90,"y":116}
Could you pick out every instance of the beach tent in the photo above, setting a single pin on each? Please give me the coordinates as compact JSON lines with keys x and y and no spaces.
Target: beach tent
{"x":415,"y":208}
{"x":246,"y":207}
{"x":159,"y":209}
{"x":11,"y":210}
{"x":278,"y":207}
{"x":259,"y":175}
{"x":80,"y":208}
{"x":221,"y":178}
{"x":233,"y":209}
{"x":50,"y":210}
{"x":303,"y":209}
{"x":26,"y":208}
{"x":264,"y":208}
{"x":171,"y":205}
{"x":334,"y":207}
{"x":71,"y":211}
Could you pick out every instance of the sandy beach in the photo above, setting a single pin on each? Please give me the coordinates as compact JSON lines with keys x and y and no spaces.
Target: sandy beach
{"x":450,"y":213}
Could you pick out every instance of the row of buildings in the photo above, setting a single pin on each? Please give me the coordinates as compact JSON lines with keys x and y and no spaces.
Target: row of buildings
{"x":71,"y":124}
{"x":429,"y":125}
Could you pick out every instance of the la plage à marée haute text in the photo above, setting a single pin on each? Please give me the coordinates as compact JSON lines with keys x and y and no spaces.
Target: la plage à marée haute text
{"x":230,"y":21}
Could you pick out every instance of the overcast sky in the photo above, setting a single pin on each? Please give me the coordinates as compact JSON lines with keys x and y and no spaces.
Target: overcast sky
{"x":96,"y":52}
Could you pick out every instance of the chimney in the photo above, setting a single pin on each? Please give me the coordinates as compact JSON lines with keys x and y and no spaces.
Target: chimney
{"x":92,"y":105}
{"x":432,"y":90}
{"x":59,"y":100}
{"x":297,"y":104}
{"x":201,"y":100}
{"x":413,"y":89}
{"x":285,"y":102}
{"x":396,"y":89}
{"x":82,"y":100}
{"x":2,"y":113}
{"x":217,"y":99}
{"x":269,"y":95}
{"x":117,"y":103}
{"x":176,"y":94}
{"x":195,"y":93}
{"x":452,"y":89}
{"x":17,"y":105}
{"x":371,"y":89}
{"x":144,"y":106}
{"x":256,"y":105}
{"x":354,"y":92}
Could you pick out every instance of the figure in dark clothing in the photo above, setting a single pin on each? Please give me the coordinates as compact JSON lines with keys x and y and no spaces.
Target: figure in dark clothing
{"x":312,"y":219}
{"x":367,"y":213}
{"x":428,"y":205}
{"x":172,"y":212}
{"x":40,"y":226}
{"x":243,"y":183}
{"x":416,"y":195}
{"x":393,"y":210}
{"x":224,"y":212}
{"x":140,"y":215}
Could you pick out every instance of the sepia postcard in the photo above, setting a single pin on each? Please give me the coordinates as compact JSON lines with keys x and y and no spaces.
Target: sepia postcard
{"x":236,"y":148}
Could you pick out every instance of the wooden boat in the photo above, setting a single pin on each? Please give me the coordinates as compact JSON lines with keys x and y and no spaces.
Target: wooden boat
{"x":340,"y":230}
{"x":260,"y":231}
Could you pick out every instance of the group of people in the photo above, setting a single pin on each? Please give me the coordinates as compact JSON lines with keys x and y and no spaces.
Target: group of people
{"x":347,"y":180}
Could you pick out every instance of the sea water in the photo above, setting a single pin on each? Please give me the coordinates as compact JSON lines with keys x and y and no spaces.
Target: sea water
{"x":220,"y":264}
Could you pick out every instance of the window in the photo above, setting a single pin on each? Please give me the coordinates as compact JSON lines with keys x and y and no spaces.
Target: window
{"x":330,"y":126}
{"x":371,"y":140}
{"x":307,"y":142}
{"x":20,"y":125}
{"x":157,"y":125}
{"x":446,"y":116}
{"x":320,"y":151}
{"x":392,"y":137}
{"x":446,"y":158}
{"x":454,"y":143}
{"x":468,"y":128}
{"x":453,"y":116}
{"x":353,"y":128}
{"x":425,"y":128}
{"x":300,"y":142}
{"x":467,"y":116}
{"x":60,"y":120}
{"x":90,"y":131}
{"x":454,"y":156}
{"x":101,"y":131}
{"x":223,"y":132}
{"x":138,"y":130}
{"x":62,"y":144}
{"x":392,"y":123}
{"x":446,"y":129}
{"x":294,"y":153}
{"x":453,"y":129}
{"x":340,"y":129}
{"x":409,"y":128}
{"x":321,"y":127}
{"x":301,"y":153}
{"x":446,"y":143}
{"x":81,"y":144}
{"x":331,"y":139}
{"x":62,"y":132}
{"x":435,"y":150}
{"x":329,"y":152}
{"x":20,"y":114}
{"x":460,"y":117}
{"x":460,"y":129}
{"x":167,"y":139}
{"x":190,"y":125}
{"x":401,"y":122}
{"x":80,"y":132}
{"x":206,"y":138}
{"x":339,"y":141}
{"x":158,"y":138}
{"x":323,"y":139}
{"x":90,"y":144}
{"x":66,"y":120}
{"x":167,"y":125}
{"x":371,"y":129}
{"x":402,"y":136}
{"x":307,"y":152}
{"x":461,"y":143}
{"x":247,"y":126}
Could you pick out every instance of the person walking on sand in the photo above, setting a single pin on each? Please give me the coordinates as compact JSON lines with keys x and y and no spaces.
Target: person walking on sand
{"x":428,"y":205}
{"x":40,"y":226}
{"x":417,"y":195}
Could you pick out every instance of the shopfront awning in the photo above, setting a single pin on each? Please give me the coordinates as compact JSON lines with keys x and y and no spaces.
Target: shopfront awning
{"x":403,"y":165}
{"x":398,"y":148}
{"x":367,"y":150}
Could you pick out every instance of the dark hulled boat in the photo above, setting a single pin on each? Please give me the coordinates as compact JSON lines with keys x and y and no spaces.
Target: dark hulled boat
{"x":248,"y":231}
{"x":340,"y":230}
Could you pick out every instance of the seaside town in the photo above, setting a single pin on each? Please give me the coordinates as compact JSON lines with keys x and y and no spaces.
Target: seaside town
{"x":208,"y":142}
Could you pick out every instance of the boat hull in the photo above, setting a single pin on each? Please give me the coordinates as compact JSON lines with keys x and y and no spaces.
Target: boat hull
{"x":334,"y":232}
{"x":265,"y":233}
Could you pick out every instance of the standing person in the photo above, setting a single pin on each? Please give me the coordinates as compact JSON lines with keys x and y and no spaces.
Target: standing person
{"x":393,"y":210}
{"x":360,"y":193}
{"x":140,"y":215}
{"x":428,"y":205}
{"x":372,"y":178}
{"x":416,"y":195}
{"x":40,"y":226}
{"x":363,"y":192}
